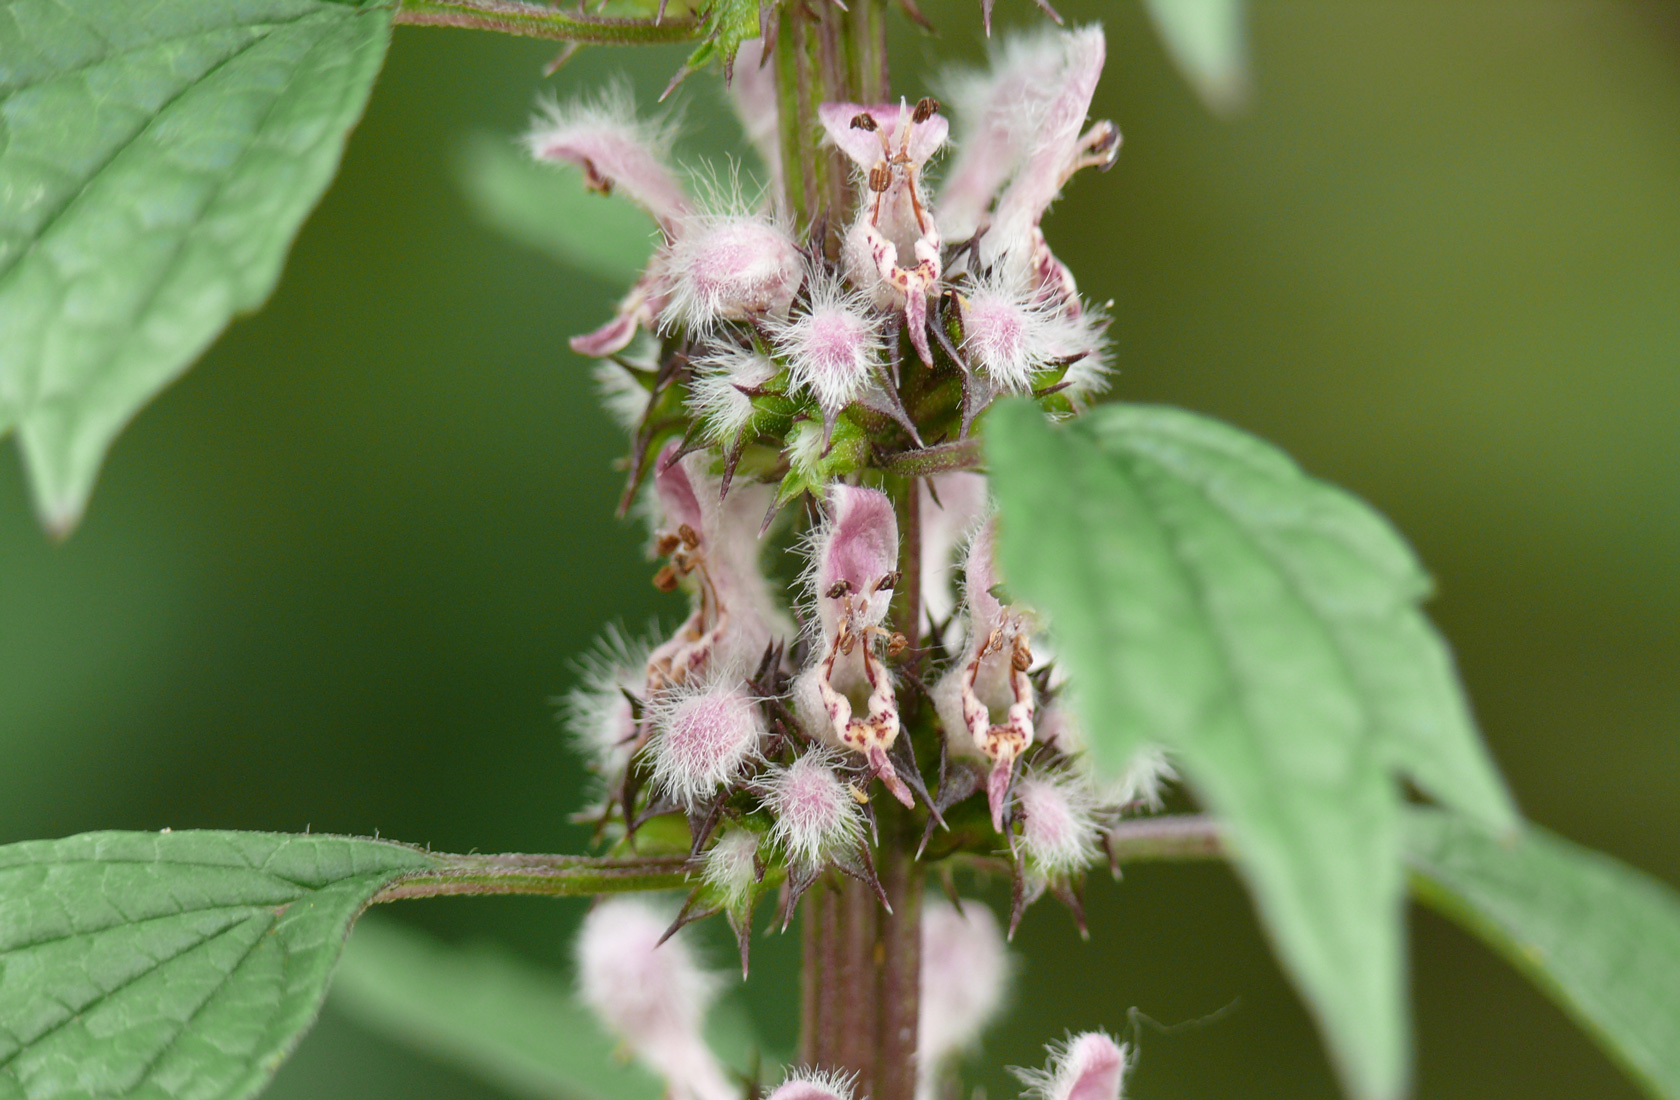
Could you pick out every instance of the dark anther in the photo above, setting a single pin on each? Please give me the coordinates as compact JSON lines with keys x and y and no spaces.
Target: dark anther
{"x":880,"y":177}
{"x":667,"y":544}
{"x":889,"y":581}
{"x":840,"y":588}
{"x":926,"y":108}
{"x":864,"y":122}
{"x":666,"y":579}
{"x":689,"y":538}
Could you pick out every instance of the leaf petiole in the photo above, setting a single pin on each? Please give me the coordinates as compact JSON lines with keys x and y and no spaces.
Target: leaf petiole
{"x":542,"y":21}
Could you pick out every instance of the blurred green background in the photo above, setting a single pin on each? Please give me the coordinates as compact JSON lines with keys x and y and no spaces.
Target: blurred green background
{"x":335,"y":577}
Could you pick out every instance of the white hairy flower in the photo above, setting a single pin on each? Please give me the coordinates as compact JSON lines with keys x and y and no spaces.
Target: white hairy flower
{"x":653,"y":996}
{"x":704,"y":737}
{"x":816,"y":815}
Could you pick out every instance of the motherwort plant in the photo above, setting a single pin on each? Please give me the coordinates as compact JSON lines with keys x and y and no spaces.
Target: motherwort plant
{"x":953,"y":625}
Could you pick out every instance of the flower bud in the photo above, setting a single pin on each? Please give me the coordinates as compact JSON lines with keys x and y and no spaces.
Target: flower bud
{"x":832,"y":346}
{"x":732,"y":866}
{"x":1090,"y":1066}
{"x":703,"y":738}
{"x":729,"y":267}
{"x":1057,"y":811}
{"x":816,"y":815}
{"x":598,"y":713}
{"x":652,"y":995}
{"x":965,"y":972}
{"x":715,"y":396}
{"x":1145,"y":775}
{"x":812,"y":1085}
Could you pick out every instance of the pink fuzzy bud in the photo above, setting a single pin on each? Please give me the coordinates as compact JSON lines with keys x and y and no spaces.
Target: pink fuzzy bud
{"x":732,"y":866}
{"x":1059,"y":830}
{"x":1011,"y":331}
{"x":614,"y":149}
{"x":704,"y":737}
{"x":832,"y":346}
{"x":729,"y":267}
{"x":718,"y":397}
{"x":651,"y":995}
{"x":816,"y":815}
{"x":1090,"y":1066}
{"x":811,"y":1085}
{"x":965,"y":973}
{"x":598,"y":713}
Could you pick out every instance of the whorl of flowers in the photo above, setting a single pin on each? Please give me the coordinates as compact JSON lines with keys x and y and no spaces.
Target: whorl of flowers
{"x":820,"y":385}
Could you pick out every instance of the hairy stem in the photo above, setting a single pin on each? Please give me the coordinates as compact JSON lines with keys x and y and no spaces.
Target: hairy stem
{"x":541,"y":875}
{"x":899,"y":988}
{"x":542,"y":21}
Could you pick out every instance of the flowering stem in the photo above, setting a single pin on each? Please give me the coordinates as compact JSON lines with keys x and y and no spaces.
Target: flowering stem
{"x":899,"y":1005}
{"x":542,"y":21}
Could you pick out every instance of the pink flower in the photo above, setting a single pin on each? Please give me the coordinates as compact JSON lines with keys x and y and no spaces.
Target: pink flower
{"x":651,"y":995}
{"x":965,"y":974}
{"x":854,"y":569}
{"x":989,"y":676}
{"x":615,"y":149}
{"x":713,"y":545}
{"x":951,"y":506}
{"x":1090,"y":1066}
{"x":1023,"y":138}
{"x":892,"y":249}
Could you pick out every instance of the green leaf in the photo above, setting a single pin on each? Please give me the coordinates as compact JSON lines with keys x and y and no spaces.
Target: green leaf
{"x":484,"y":1011}
{"x":156,"y":161}
{"x":1209,"y":596}
{"x":172,"y":964}
{"x":548,"y":208}
{"x":1207,"y":41}
{"x":1600,"y":937}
